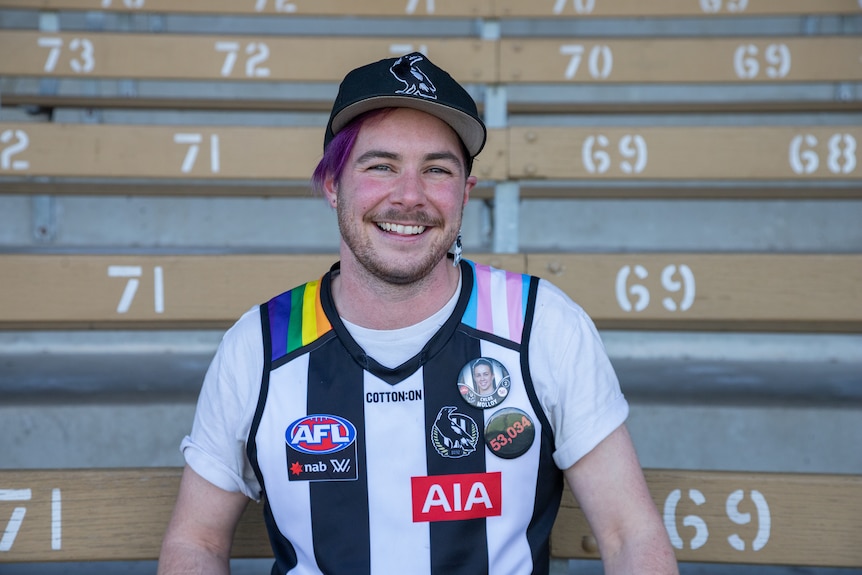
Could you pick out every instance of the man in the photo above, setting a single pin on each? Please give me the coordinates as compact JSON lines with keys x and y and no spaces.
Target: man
{"x":337,"y":404}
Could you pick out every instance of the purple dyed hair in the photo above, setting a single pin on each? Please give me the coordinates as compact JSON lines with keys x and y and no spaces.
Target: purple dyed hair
{"x":336,"y":153}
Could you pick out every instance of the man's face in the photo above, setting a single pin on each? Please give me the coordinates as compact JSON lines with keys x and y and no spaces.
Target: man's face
{"x":483,"y":377}
{"x":401,"y":196}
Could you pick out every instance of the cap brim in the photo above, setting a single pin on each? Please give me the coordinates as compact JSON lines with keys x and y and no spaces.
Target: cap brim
{"x":471,"y":132}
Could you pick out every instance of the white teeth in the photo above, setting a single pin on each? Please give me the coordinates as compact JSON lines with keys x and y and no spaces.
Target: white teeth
{"x":402,"y":229}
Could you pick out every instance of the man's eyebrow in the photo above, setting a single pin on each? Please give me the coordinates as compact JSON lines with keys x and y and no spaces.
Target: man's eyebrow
{"x":377,"y":154}
{"x":384,"y":155}
{"x":443,"y":156}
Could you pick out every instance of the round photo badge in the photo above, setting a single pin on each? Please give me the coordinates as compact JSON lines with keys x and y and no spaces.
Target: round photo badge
{"x":510,"y":433}
{"x":484,"y":383}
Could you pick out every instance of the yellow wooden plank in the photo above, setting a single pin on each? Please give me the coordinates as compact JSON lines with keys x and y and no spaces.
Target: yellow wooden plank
{"x":712,"y":516}
{"x":100,"y":514}
{"x":697,"y":290}
{"x":181,"y":152}
{"x":155,"y":291}
{"x":88,"y":54}
{"x":578,"y":60}
{"x":751,"y":518}
{"x":670,"y":8}
{"x":686,"y":152}
{"x":385,"y":8}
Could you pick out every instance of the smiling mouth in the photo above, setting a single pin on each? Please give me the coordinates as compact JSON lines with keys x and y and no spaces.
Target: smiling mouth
{"x":401,"y":229}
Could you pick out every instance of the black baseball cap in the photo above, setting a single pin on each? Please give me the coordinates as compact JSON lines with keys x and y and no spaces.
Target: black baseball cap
{"x":410,"y":81}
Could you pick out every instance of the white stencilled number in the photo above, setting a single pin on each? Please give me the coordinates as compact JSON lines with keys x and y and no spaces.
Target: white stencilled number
{"x":633,"y":148}
{"x":746,"y":61}
{"x":764,"y":520}
{"x":673,"y":285}
{"x":600,"y":60}
{"x":135,"y":4}
{"x":17,"y":517}
{"x":842,"y":154}
{"x":401,"y":49}
{"x":83,"y":63}
{"x":257,"y":53}
{"x":7,"y":153}
{"x":412,"y":5}
{"x":18,"y":513}
{"x":778,"y":58}
{"x":701,"y":531}
{"x":280,"y":6}
{"x":597,"y":160}
{"x":580,"y":6}
{"x":803,"y":161}
{"x":86,"y":63}
{"x":669,"y":282}
{"x":193,"y":141}
{"x":638,"y":290}
{"x":134,"y":273}
{"x":715,"y":6}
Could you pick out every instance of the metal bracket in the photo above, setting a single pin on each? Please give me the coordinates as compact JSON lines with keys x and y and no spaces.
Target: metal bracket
{"x":43,"y":211}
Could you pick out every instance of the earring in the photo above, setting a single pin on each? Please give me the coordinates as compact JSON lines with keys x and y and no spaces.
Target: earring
{"x":458,"y":250}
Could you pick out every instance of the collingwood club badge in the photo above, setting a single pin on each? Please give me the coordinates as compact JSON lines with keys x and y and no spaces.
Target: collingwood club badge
{"x":454,"y":434}
{"x":484,"y":383}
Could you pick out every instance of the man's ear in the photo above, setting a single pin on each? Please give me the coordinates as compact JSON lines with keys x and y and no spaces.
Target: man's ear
{"x":330,"y":190}
{"x":468,"y":187}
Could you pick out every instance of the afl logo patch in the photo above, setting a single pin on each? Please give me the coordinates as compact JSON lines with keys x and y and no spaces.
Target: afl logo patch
{"x":320,"y":434}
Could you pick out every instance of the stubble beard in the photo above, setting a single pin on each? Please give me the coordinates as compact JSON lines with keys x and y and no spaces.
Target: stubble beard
{"x":410,"y":270}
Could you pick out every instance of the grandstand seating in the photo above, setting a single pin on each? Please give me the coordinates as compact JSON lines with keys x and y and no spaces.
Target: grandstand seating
{"x":587,"y":100}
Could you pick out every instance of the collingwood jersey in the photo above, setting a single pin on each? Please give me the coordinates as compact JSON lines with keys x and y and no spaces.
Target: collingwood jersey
{"x":441,"y":465}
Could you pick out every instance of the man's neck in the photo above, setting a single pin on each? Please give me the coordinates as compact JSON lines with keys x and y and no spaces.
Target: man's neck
{"x":372,"y":303}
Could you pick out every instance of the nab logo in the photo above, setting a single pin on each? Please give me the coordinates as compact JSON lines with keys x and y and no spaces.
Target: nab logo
{"x":320,"y":434}
{"x":455,"y":497}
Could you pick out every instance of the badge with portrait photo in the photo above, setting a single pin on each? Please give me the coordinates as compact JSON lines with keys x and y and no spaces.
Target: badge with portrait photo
{"x":484,"y":382}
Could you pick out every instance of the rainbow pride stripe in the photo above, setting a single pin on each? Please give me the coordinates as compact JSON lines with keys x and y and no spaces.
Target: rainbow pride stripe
{"x":494,"y":285}
{"x":296,"y":319}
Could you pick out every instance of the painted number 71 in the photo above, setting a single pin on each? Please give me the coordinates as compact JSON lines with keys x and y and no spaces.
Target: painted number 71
{"x":18,"y":513}
{"x":133,"y":273}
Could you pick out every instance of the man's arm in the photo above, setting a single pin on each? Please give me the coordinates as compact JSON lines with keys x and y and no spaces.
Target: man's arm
{"x":200,"y":533}
{"x":610,"y":487}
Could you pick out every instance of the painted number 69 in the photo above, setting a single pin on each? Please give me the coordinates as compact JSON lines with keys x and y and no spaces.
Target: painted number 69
{"x":701,"y":531}
{"x":669,"y":282}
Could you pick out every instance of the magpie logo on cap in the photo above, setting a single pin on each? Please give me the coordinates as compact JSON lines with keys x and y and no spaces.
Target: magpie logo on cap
{"x":409,"y":81}
{"x":416,"y":82}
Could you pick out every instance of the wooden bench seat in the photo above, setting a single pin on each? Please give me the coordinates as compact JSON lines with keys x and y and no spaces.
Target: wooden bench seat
{"x":656,"y":60}
{"x":44,"y":155}
{"x":683,"y":291}
{"x":78,"y":63}
{"x":460,"y":8}
{"x":712,"y":516}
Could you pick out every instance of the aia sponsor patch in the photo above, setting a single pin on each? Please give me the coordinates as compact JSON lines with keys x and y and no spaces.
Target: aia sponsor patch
{"x":321,"y":448}
{"x":456,"y":497}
